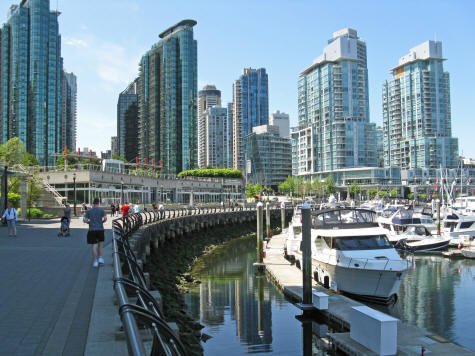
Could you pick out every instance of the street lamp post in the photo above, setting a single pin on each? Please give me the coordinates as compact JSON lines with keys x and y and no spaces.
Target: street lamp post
{"x":161,"y":193}
{"x":121,"y":191}
{"x":66,"y":187}
{"x":74,"y":187}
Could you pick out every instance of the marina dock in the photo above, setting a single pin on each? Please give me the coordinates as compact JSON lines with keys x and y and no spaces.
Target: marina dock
{"x":411,"y":340}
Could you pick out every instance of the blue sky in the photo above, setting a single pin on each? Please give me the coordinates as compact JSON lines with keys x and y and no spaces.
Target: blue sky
{"x":102,"y":42}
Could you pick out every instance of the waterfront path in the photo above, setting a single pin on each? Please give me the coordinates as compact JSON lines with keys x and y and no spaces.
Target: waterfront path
{"x":47,"y":289}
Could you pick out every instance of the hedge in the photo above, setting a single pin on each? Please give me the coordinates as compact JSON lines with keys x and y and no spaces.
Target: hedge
{"x":212,"y":172}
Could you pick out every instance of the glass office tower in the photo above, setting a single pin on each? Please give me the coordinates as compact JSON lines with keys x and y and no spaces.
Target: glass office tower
{"x":127,"y":125}
{"x":30,"y":75}
{"x":416,"y":112}
{"x":334,"y":131}
{"x":250,"y":108}
{"x":167,"y":90}
{"x":268,"y":156}
{"x":69,"y":111}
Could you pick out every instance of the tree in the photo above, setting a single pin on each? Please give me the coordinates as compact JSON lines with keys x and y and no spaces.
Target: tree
{"x":329,"y":185}
{"x":410,"y":195}
{"x":28,"y":160}
{"x":354,"y":189}
{"x":119,"y":158}
{"x":12,"y":151}
{"x":393,"y":193}
{"x":252,"y":191}
{"x":308,"y":187}
{"x":317,"y":187}
{"x":372,"y":192}
{"x":287,"y":186}
{"x":382,"y":193}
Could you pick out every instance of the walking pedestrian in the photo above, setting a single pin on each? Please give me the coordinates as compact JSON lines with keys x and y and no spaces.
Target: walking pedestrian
{"x":137,"y":208}
{"x":96,"y":217}
{"x":83,"y":209}
{"x":11,"y":216}
{"x":67,"y":215}
{"x":125,"y":209}
{"x":161,"y":207}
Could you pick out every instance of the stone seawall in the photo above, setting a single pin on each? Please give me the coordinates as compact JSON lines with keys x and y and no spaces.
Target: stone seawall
{"x":157,"y":233}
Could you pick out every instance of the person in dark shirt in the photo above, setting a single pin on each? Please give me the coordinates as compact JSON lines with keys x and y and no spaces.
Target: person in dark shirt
{"x":96,"y":217}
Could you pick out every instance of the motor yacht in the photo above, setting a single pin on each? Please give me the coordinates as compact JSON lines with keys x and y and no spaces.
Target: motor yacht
{"x":417,"y":238}
{"x":352,"y":254}
{"x":394,"y":221}
{"x":294,"y":234}
{"x":458,"y":226}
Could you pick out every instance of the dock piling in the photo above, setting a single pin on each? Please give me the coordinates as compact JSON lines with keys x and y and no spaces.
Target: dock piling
{"x":307,"y":256}
{"x":260,"y":235}
{"x":282,"y":215}
{"x":268,"y":220}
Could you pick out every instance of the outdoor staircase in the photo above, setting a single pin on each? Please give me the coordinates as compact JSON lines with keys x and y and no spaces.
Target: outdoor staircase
{"x":50,"y":201}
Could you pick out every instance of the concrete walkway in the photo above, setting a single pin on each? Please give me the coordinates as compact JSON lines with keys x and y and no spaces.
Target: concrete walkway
{"x":47,"y":289}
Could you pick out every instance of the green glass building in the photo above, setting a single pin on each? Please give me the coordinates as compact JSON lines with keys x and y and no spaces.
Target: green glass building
{"x":30,"y":78}
{"x":167,"y":92}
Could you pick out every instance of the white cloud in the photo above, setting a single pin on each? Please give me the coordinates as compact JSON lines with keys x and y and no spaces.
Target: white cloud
{"x":75,"y":42}
{"x":114,"y":64}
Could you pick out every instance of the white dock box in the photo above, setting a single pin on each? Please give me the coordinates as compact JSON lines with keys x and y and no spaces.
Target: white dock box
{"x":375,"y":330}
{"x":319,"y":300}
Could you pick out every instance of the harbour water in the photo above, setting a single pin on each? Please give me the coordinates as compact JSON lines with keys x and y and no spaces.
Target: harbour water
{"x":438,"y":294}
{"x":244,"y":313}
{"x":241,"y":311}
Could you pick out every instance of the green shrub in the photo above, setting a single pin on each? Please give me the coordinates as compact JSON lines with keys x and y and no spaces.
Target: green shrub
{"x":35,"y":213}
{"x":14,"y":198}
{"x":212,"y":172}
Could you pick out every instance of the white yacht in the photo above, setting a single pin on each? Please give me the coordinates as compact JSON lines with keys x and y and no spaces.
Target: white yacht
{"x":351,"y":254}
{"x":294,"y":234}
{"x":458,"y":227}
{"x":417,"y":238}
{"x":394,"y":221}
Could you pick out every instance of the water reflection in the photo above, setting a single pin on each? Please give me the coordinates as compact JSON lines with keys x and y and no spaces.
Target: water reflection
{"x":438,"y":294}
{"x":234,"y":303}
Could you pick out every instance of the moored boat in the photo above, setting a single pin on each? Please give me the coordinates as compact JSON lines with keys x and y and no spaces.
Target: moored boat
{"x":352,"y":254}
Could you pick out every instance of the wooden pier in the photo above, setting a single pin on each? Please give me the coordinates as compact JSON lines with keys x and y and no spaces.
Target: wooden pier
{"x":411,"y":339}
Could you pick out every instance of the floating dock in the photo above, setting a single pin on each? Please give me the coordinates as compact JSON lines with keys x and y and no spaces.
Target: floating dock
{"x":411,"y":339}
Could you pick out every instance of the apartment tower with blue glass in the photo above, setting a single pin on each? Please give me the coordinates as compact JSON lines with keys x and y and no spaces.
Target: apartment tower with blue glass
{"x":334,"y":131}
{"x":69,"y":111}
{"x":250,"y":109}
{"x":167,"y":96}
{"x":127,"y":122}
{"x":416,"y":112}
{"x":30,"y":78}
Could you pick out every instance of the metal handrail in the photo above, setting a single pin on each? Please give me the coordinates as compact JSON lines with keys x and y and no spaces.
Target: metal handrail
{"x":129,"y":277}
{"x":147,"y":311}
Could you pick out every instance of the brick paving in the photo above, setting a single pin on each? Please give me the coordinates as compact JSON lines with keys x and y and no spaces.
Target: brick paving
{"x":47,"y":289}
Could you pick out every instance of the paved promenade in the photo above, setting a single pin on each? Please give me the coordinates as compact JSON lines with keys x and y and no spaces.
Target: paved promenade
{"x":47,"y":289}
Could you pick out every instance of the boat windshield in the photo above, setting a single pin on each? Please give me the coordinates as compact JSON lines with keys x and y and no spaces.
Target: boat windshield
{"x":344,"y":216}
{"x":359,"y":243}
{"x":416,"y":230}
